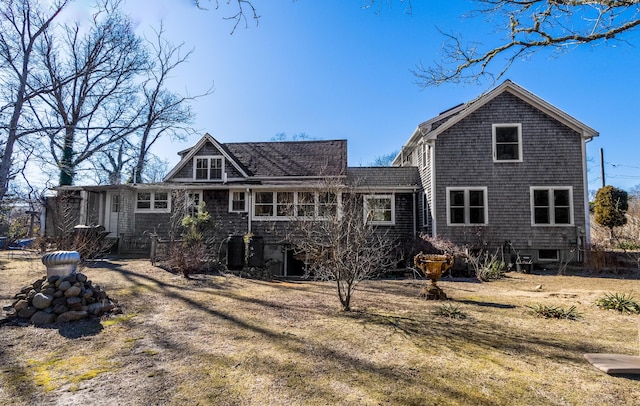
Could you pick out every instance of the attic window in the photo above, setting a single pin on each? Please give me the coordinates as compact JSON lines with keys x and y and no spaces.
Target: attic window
{"x":507,"y":142}
{"x":208,"y":168}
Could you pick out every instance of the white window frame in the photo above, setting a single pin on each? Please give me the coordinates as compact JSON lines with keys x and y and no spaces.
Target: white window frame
{"x":467,"y":206}
{"x":366,"y":210}
{"x":152,"y":202}
{"x":209,"y":159}
{"x":551,"y":207}
{"x":231,"y":200}
{"x":294,"y":205}
{"x":494,"y":127}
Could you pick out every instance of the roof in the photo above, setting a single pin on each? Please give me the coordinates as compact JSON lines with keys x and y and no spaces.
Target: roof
{"x":276,"y":159}
{"x":384,"y":177}
{"x":450,"y":117}
{"x":292,"y":158}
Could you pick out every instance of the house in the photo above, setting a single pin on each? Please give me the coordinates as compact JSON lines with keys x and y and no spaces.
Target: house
{"x":504,"y":171}
{"x":253,"y":187}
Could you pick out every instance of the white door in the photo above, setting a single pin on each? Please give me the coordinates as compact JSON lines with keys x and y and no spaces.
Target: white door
{"x":111,"y":213}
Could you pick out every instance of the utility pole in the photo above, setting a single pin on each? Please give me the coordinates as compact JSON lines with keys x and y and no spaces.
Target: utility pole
{"x":604,"y":183}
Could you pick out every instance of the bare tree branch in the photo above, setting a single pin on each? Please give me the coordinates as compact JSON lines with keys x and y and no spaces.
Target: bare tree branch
{"x":530,"y":26}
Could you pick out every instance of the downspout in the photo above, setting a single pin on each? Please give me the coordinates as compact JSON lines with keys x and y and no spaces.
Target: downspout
{"x":416,"y":215}
{"x":587,"y":220}
{"x":249,"y":210}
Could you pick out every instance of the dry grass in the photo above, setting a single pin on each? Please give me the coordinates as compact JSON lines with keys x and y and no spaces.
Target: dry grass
{"x":229,"y":341}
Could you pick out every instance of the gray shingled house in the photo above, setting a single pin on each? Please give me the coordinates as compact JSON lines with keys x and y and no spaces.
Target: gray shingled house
{"x":253,"y":187}
{"x":506,"y":170}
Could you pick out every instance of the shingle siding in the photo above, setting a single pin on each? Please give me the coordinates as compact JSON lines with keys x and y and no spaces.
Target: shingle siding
{"x":552,"y":156}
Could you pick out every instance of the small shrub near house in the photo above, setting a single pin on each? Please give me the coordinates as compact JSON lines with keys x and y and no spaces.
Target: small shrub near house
{"x":620,"y":302}
{"x":187,"y":256}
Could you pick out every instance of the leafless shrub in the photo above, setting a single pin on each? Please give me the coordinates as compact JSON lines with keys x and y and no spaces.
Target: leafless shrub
{"x":339,"y":244}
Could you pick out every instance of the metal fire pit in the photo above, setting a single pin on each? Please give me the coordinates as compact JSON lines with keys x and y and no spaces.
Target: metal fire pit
{"x":61,"y":263}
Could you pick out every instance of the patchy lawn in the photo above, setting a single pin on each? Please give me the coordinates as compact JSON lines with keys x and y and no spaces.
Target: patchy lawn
{"x":229,"y":341}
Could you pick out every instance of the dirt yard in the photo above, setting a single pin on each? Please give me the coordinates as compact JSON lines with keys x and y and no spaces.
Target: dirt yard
{"x":223,"y":340}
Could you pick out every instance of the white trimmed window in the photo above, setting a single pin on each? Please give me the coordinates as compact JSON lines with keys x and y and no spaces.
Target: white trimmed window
{"x":237,"y":201}
{"x":158,"y":202}
{"x":283,"y":205}
{"x":467,"y":206}
{"x":507,"y":142}
{"x":551,"y":205}
{"x":263,"y":204}
{"x":379,"y":209}
{"x":208,"y":167}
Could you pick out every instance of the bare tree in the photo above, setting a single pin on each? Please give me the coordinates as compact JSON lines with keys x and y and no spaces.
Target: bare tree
{"x":530,"y":26}
{"x":164,"y":113}
{"x":94,"y":109}
{"x":23,"y":25}
{"x":333,"y":237}
{"x":110,"y":164}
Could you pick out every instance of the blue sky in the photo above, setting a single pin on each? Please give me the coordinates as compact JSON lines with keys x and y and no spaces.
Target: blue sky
{"x":334,"y":70}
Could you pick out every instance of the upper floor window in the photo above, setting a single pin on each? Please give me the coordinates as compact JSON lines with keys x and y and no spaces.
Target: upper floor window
{"x":507,"y":142}
{"x":379,"y":209}
{"x":208,"y":168}
{"x":551,"y":205}
{"x":153,"y":202}
{"x":467,"y":206}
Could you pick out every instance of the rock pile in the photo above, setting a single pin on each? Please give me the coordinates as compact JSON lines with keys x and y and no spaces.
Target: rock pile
{"x":60,"y":299}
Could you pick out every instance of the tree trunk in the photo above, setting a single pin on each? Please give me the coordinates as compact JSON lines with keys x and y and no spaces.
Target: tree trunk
{"x":67,"y":167}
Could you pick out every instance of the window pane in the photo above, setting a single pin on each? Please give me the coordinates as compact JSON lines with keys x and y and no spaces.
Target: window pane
{"x":379,"y":209}
{"x":201,"y":168}
{"x":115,"y":203}
{"x":306,"y":204}
{"x":476,"y":215}
{"x":541,"y":215}
{"x":507,"y":134}
{"x":215,"y":171}
{"x":328,"y":204}
{"x":264,"y":204}
{"x":507,"y":151}
{"x":476,"y":198}
{"x":456,"y":198}
{"x":563,"y":215}
{"x":541,"y":198}
{"x":238,"y":201}
{"x":264,"y":197}
{"x":285,"y":203}
{"x":457,"y":215}
{"x":561,"y":198}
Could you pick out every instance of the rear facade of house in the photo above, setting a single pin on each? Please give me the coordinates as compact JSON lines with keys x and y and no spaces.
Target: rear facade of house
{"x":505,"y":172}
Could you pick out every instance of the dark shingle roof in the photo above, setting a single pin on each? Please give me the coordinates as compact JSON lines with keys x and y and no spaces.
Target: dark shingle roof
{"x":384,"y":176}
{"x":296,"y":158}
